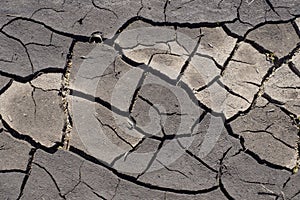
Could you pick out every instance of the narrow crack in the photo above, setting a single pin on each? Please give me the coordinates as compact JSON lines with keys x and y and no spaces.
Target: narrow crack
{"x":288,"y":87}
{"x":115,"y":131}
{"x":42,"y":45}
{"x":219,"y":4}
{"x":188,"y":60}
{"x":268,"y":193}
{"x":281,"y":21}
{"x":271,"y":100}
{"x":52,"y":178}
{"x":211,"y":58}
{"x":232,"y":53}
{"x":98,"y":100}
{"x":169,"y":136}
{"x":231,"y":34}
{"x":42,"y":89}
{"x":79,"y":181}
{"x":33,"y":99}
{"x":230,"y":91}
{"x":198,"y":121}
{"x":255,"y":156}
{"x":154,"y":157}
{"x":296,"y":168}
{"x":282,"y":195}
{"x":239,"y":15}
{"x":240,"y":61}
{"x":136,"y":92}
{"x":80,"y":21}
{"x":45,"y":8}
{"x":116,"y":189}
{"x":252,"y":83}
{"x":262,"y":50}
{"x":6,"y":87}
{"x":93,"y":191}
{"x":214,"y":80}
{"x":294,"y":68}
{"x":7,"y":61}
{"x":140,"y":84}
{"x":270,"y":133}
{"x":103,"y":8}
{"x":220,"y":173}
{"x":252,"y":182}
{"x":140,"y":9}
{"x":201,"y":161}
{"x":295,"y":195}
{"x":80,"y":38}
{"x":165,"y":9}
{"x":172,"y":170}
{"x":150,"y":104}
{"x":272,"y":7}
{"x":27,"y":171}
{"x":134,"y":180}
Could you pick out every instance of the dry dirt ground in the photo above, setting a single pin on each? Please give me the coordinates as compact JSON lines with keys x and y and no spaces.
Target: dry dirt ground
{"x":193,"y":99}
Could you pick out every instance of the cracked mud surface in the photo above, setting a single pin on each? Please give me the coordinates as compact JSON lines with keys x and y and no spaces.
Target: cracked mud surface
{"x":173,"y":100}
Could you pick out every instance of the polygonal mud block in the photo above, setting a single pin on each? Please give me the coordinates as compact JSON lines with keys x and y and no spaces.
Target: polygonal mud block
{"x":63,"y":167}
{"x":10,"y":185}
{"x":14,"y":153}
{"x":88,"y":16}
{"x":64,"y":173}
{"x":51,"y":81}
{"x":14,"y":57}
{"x":211,"y":142}
{"x":44,"y":49}
{"x":283,"y":87}
{"x":33,"y":112}
{"x":252,"y":13}
{"x":238,"y":28}
{"x":204,"y":11}
{"x":269,"y":35}
{"x":153,"y":10}
{"x":216,"y":43}
{"x":217,"y":98}
{"x":269,"y":133}
{"x":286,"y":9}
{"x":245,"y":71}
{"x":41,"y":184}
{"x":244,"y":178}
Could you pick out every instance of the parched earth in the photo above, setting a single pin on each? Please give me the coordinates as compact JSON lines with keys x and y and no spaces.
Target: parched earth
{"x":170,"y":100}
